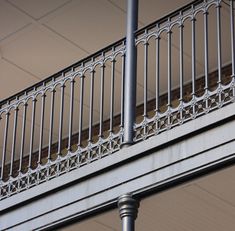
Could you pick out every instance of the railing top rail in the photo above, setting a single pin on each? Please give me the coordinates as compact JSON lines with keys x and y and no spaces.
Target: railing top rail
{"x":61,"y":73}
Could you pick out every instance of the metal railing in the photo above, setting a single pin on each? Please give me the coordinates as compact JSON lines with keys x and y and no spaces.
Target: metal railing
{"x":185,"y":68}
{"x":194,"y":74}
{"x":64,"y":121}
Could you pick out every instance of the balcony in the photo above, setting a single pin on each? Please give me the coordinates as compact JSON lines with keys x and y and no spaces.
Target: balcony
{"x":185,"y":71}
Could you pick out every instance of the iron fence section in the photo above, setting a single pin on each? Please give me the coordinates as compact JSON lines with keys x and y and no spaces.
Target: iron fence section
{"x":39,"y":140}
{"x":197,"y":93}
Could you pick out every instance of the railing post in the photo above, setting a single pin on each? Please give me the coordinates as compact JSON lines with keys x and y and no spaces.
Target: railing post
{"x":128,"y":209}
{"x":130,"y":72}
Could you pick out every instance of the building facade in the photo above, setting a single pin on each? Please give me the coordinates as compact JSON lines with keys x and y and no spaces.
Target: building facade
{"x":138,"y":132}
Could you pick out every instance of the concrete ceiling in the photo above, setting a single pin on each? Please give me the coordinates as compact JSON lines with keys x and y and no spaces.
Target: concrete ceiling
{"x":39,"y":38}
{"x":205,"y":204}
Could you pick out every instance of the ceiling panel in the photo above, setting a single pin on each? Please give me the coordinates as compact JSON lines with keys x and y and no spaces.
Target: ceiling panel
{"x":13,"y":79}
{"x":38,"y":9}
{"x":219,"y":186}
{"x":41,"y":53}
{"x":98,"y":224}
{"x":151,"y":10}
{"x":11,"y":20}
{"x":181,"y":210}
{"x":106,"y":25}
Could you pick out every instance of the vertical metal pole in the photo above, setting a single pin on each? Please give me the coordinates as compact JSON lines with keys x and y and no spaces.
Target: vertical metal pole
{"x":181,"y":99}
{"x":14,"y":140}
{"x":181,"y":62}
{"x":41,"y":127}
{"x":71,"y":114}
{"x":128,"y":209}
{"x":51,"y":123}
{"x":91,"y":106}
{"x":206,"y":49}
{"x":4,"y":149}
{"x":101,"y":100}
{"x":61,"y":120}
{"x":157,"y":72}
{"x":145,"y":78}
{"x":169,"y":71}
{"x":145,"y":115}
{"x":219,"y":53}
{"x":193,"y":58}
{"x":232,"y":37}
{"x":206,"y":54}
{"x":122,"y":91}
{"x":193,"y":62}
{"x":32,"y":132}
{"x":23,"y":135}
{"x":112,"y":96}
{"x":81,"y":109}
{"x":130,"y":72}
